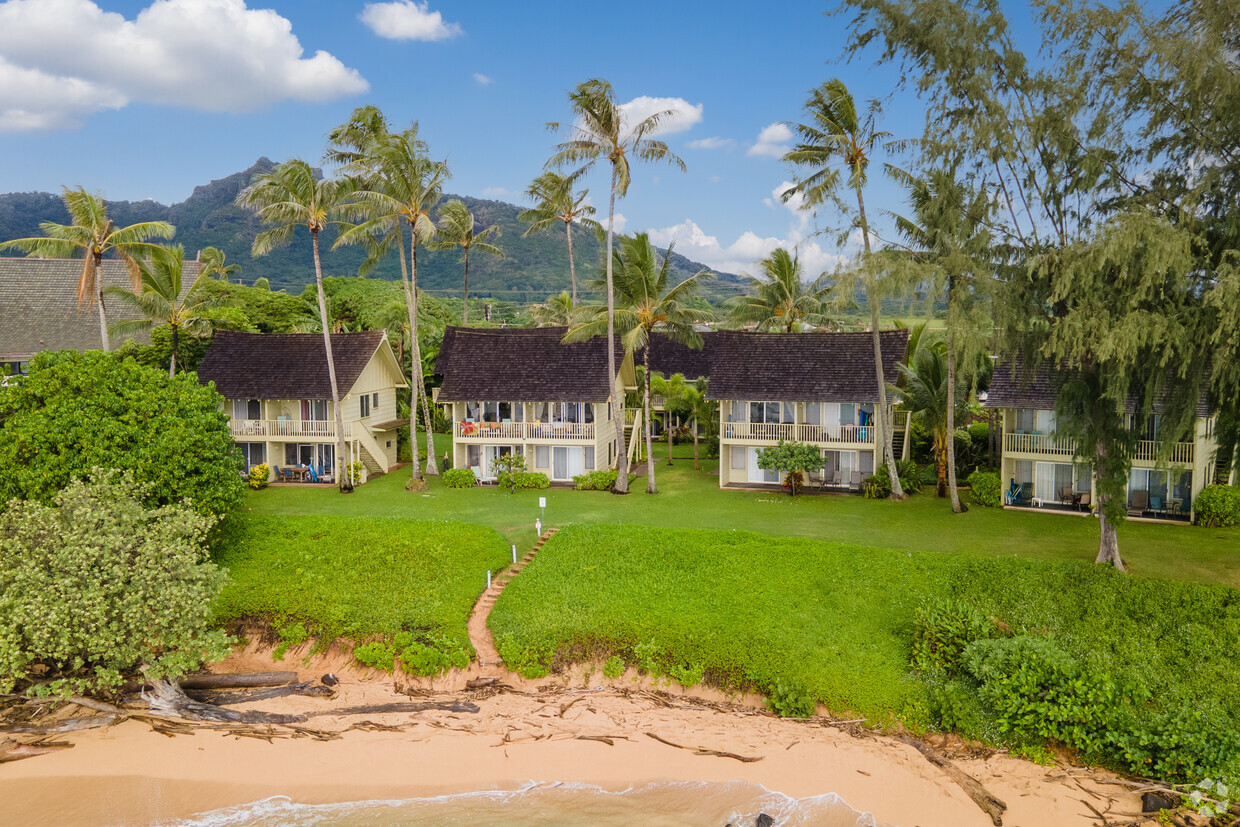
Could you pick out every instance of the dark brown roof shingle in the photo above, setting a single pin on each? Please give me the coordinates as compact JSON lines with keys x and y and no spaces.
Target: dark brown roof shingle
{"x":668,"y":356}
{"x":1013,"y":389}
{"x":285,"y":365}
{"x":522,"y":365}
{"x":801,"y":367}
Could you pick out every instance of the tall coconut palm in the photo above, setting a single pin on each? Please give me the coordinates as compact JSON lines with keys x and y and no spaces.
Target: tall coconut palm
{"x":162,"y":301}
{"x":401,"y":184}
{"x":677,"y":396}
{"x":559,"y":311}
{"x":646,"y":300}
{"x":599,"y":132}
{"x":213,"y":262}
{"x":292,"y":196}
{"x":837,"y":140}
{"x":781,"y":300}
{"x":456,"y":229}
{"x":554,"y":200}
{"x":928,"y":394}
{"x":94,"y":235}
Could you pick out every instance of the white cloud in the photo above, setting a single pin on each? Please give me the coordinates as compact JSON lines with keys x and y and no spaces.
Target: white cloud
{"x":497,"y":192}
{"x":482,"y":79}
{"x":743,"y":254}
{"x":63,"y":60}
{"x":683,"y":114}
{"x":710,"y":143}
{"x":407,"y":20}
{"x":772,"y":140}
{"x":621,"y":222}
{"x":795,"y":204}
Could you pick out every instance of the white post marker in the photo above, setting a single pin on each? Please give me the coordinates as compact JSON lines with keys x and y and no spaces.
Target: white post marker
{"x":488,"y":578}
{"x":514,"y":553}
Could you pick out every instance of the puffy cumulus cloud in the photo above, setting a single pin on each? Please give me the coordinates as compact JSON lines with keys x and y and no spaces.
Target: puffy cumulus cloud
{"x":772,"y":141}
{"x":497,"y":192}
{"x":795,"y":204}
{"x":742,"y":255}
{"x":683,"y":114}
{"x":483,"y":80}
{"x":710,"y":143}
{"x":407,"y":20}
{"x":215,"y":55}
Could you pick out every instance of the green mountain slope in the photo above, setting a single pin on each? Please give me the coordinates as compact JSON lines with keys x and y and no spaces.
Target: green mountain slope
{"x":533,"y":269}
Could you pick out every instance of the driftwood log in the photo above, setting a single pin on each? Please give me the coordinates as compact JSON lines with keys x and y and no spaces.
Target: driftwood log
{"x":167,"y":699}
{"x":744,"y":759}
{"x":238,"y":681}
{"x":11,"y":750}
{"x":241,"y":696}
{"x":989,"y":804}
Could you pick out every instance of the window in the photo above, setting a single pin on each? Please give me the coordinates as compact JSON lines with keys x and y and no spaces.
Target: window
{"x":589,"y":463}
{"x":1024,"y":472}
{"x":374,"y":399}
{"x":542,"y":456}
{"x":772,"y":413}
{"x":588,"y":416}
{"x":365,"y":405}
{"x":473,"y":458}
{"x":314,"y":410}
{"x":1023,"y":420}
{"x":255,"y":453}
{"x":738,"y":458}
{"x":813,"y":413}
{"x":472,"y":411}
{"x":736,"y":411}
{"x":247,"y":409}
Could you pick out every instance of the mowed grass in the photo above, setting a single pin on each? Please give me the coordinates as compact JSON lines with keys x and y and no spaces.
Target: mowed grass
{"x":693,"y":499}
{"x":358,"y":577}
{"x":752,"y":611}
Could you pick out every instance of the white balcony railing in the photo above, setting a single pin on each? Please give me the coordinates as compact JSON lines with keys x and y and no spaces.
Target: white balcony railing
{"x":288,"y":428}
{"x":1053,"y":445}
{"x":523,"y":430}
{"x":771,"y":432}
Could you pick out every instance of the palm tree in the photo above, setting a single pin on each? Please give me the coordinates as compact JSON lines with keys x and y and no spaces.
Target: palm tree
{"x":400,"y":186}
{"x":554,"y":200}
{"x":558,"y":311}
{"x":646,"y":300}
{"x":677,"y":400}
{"x":456,"y":229}
{"x":212,"y":262}
{"x":292,"y":196}
{"x":836,"y":140}
{"x":781,"y":300}
{"x":927,"y":392}
{"x":93,"y":235}
{"x":704,"y":411}
{"x":599,"y":132}
{"x":162,"y":301}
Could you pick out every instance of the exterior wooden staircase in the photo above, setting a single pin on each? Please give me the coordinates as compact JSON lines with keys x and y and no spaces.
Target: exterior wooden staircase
{"x":479,"y":632}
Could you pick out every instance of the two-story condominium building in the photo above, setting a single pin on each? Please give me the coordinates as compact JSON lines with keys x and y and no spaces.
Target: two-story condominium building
{"x":525,"y":391}
{"x":278,"y":395}
{"x":815,"y":388}
{"x":1039,"y":468}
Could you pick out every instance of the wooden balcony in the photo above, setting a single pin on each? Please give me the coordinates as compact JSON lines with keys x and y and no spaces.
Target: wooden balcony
{"x":1057,"y":446}
{"x":540,"y":431}
{"x":288,"y":430}
{"x":819,"y":434}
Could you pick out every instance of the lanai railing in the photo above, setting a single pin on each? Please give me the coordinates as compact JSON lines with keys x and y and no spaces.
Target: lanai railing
{"x":281,"y":429}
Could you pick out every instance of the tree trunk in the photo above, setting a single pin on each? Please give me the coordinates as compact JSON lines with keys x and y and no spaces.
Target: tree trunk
{"x":696,"y":465}
{"x":415,"y":355}
{"x":465,"y":308}
{"x":957,"y":506}
{"x":940,"y":467}
{"x":617,"y":417}
{"x":572,"y":270}
{"x":346,"y":483}
{"x":103,"y":322}
{"x":651,"y":488}
{"x":1108,"y":540}
{"x":172,"y":363}
{"x":415,"y":364}
{"x":880,"y":410}
{"x":667,"y":426}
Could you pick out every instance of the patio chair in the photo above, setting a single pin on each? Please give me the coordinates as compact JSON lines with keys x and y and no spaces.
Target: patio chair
{"x":1138,"y":501}
{"x":1186,"y":506}
{"x":1156,"y":505}
{"x":1067,"y":496}
{"x":477,"y":474}
{"x":855,"y":484}
{"x":1085,"y":502}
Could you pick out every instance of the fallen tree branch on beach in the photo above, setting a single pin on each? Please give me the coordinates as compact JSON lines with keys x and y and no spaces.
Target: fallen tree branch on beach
{"x":238,"y":680}
{"x":11,"y":750}
{"x":64,"y":725}
{"x":984,"y":799}
{"x":241,"y":696}
{"x":744,"y":759}
{"x":167,"y":699}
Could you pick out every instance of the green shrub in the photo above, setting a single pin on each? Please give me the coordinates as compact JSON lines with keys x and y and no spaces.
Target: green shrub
{"x":985,"y":489}
{"x":353,"y":470}
{"x":647,"y":657}
{"x":529,"y":481}
{"x":941,"y":631}
{"x":294,"y":634}
{"x":97,"y":585}
{"x":459,"y":478}
{"x":908,"y":472}
{"x":1217,"y":506}
{"x":614,"y":667}
{"x":258,"y":476}
{"x":877,"y":487}
{"x":687,"y":676}
{"x":595,"y":481}
{"x":378,"y":654}
{"x":791,"y":700}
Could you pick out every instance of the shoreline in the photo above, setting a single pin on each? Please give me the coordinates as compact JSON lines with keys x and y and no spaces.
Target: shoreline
{"x":131,"y":775}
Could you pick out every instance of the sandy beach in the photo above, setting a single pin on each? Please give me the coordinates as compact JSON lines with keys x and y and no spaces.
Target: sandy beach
{"x":129,"y":774}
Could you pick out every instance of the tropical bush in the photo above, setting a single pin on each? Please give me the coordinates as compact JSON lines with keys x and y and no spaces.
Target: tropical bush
{"x":361,"y":578}
{"x":877,"y":487}
{"x":911,"y":476}
{"x":354,"y":469}
{"x":524,"y":480}
{"x":258,"y":476}
{"x":80,"y":411}
{"x":1217,"y":506}
{"x":422,"y":653}
{"x":595,"y":481}
{"x":942,"y":629}
{"x":459,"y":478}
{"x":98,"y":586}
{"x":985,"y":488}
{"x":793,"y":459}
{"x":506,"y":469}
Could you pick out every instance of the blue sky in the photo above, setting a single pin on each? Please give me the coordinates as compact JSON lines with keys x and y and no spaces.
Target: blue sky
{"x":149,"y":99}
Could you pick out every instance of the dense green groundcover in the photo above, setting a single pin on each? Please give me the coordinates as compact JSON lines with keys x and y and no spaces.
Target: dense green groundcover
{"x":837,"y":620}
{"x":360,"y":578}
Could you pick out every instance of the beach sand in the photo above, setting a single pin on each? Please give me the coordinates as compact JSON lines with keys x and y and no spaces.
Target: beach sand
{"x":129,"y":774}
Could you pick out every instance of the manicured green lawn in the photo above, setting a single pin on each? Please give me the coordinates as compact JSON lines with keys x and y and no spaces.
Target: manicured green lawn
{"x":358,"y":577}
{"x":690,"y":499}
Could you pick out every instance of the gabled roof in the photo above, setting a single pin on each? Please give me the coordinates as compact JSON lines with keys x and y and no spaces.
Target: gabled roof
{"x":523,"y":365}
{"x":287,"y":365}
{"x":39,"y":306}
{"x":801,"y":367}
{"x":1015,"y":389}
{"x":668,"y":356}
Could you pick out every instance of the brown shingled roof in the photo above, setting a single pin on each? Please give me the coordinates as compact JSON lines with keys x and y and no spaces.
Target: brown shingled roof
{"x":522,"y":365}
{"x":801,"y":367}
{"x":1010,"y":389}
{"x":39,"y":306}
{"x":668,"y":356}
{"x":285,"y":365}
